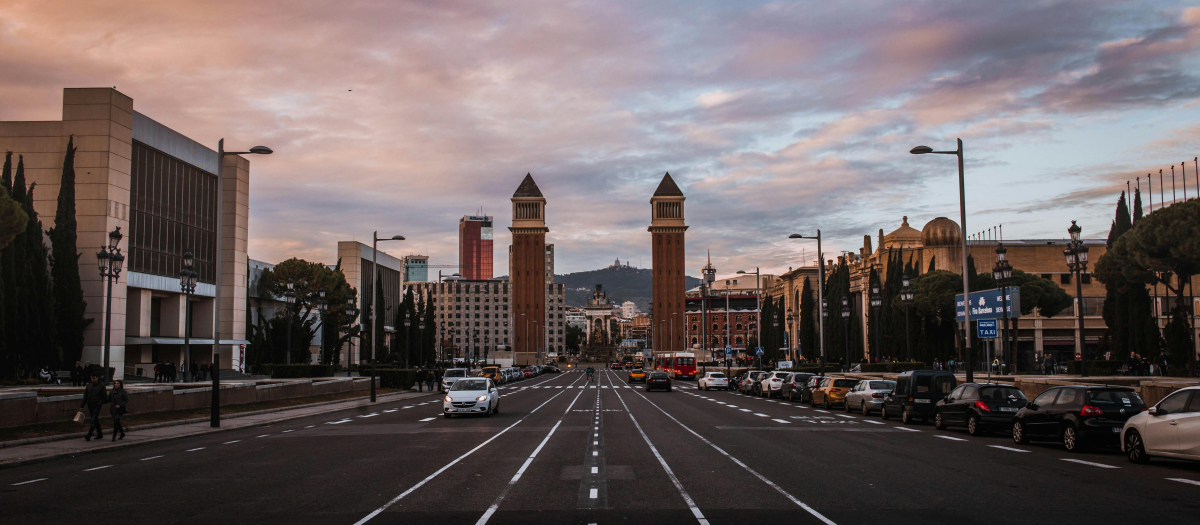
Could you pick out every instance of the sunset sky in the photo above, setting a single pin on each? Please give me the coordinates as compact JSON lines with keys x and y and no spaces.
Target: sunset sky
{"x":773,"y":117}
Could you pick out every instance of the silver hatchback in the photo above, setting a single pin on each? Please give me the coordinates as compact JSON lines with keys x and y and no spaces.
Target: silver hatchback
{"x":868,"y":395}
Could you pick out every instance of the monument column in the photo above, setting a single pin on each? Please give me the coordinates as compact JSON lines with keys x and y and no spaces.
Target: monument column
{"x":667,"y":229}
{"x":528,"y":271}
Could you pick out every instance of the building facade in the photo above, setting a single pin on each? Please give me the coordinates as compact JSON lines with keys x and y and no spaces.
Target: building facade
{"x":160,"y":188}
{"x":357,"y":262}
{"x":416,"y":268}
{"x":667,"y":229}
{"x":473,"y":317}
{"x":528,"y":271}
{"x":475,"y":247}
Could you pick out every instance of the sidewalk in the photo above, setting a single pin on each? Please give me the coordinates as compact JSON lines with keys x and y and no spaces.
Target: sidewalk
{"x":36,"y":450}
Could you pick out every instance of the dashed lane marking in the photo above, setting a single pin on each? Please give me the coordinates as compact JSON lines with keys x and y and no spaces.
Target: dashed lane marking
{"x":390,"y":411}
{"x":96,"y":468}
{"x":1088,"y":463}
{"x":908,"y":429}
{"x":337,"y":422}
{"x":149,"y":458}
{"x":428,"y":419}
{"x":262,"y":436}
{"x":1184,"y":480}
{"x":286,"y":431}
{"x":844,"y":415}
{"x":761,"y":415}
{"x":593,"y":493}
{"x":781,"y":421}
{"x":194,"y":449}
{"x":1010,"y":449}
{"x":30,"y":481}
{"x":951,"y":438}
{"x":373,"y":414}
{"x":873,"y":422}
{"x":744,"y":410}
{"x":231,"y":442}
{"x":310,"y":426}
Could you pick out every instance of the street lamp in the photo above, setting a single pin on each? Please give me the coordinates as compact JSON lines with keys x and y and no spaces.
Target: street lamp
{"x":322,"y":307}
{"x":215,"y":416}
{"x":109,"y":260}
{"x":187,"y":284}
{"x":795,"y":341}
{"x":351,"y":314}
{"x":820,"y":290}
{"x":962,"y":211}
{"x":1002,"y":272}
{"x":906,"y":297}
{"x":290,"y":297}
{"x":1077,"y":259}
{"x":846,"y":321}
{"x":757,"y":307}
{"x":876,"y":301}
{"x":408,"y":351}
{"x":375,"y":296}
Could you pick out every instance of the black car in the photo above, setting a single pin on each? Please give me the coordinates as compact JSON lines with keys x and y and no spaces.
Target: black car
{"x":658,"y":380}
{"x":1077,"y":415}
{"x":794,"y":390}
{"x":806,"y":391}
{"x":916,"y":395}
{"x":980,"y":407}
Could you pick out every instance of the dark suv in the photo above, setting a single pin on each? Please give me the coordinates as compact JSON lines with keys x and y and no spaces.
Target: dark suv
{"x":1078,"y":415}
{"x":980,"y":407}
{"x":794,"y":390}
{"x":916,"y":395}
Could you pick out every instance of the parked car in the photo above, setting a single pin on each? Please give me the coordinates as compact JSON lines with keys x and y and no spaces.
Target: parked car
{"x":713,"y":380}
{"x":980,"y":407}
{"x":916,"y":395}
{"x":749,"y":381}
{"x":867,"y":396}
{"x":794,"y":388}
{"x":1170,"y":429}
{"x":806,"y":393}
{"x":771,"y":384}
{"x":1079,"y":416}
{"x":658,"y":380}
{"x":472,"y":395}
{"x":637,"y":375}
{"x":833,"y":391}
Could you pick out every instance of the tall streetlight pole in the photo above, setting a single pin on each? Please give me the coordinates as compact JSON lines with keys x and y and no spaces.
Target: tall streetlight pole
{"x":846,"y":321}
{"x":187,"y":284}
{"x":351,"y":315}
{"x":290,"y":297}
{"x":215,"y":417}
{"x":758,"y":307}
{"x":962,"y":211}
{"x":794,"y":340}
{"x":375,"y":296}
{"x":1002,"y":272}
{"x":820,"y":290}
{"x":906,"y":297}
{"x":876,"y":302}
{"x":407,"y":351}
{"x":109,"y":260}
{"x":1077,"y":259}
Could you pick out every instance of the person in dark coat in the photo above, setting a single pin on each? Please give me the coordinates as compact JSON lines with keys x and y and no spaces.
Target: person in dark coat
{"x":77,"y":375}
{"x":94,"y":397}
{"x":120,"y":404}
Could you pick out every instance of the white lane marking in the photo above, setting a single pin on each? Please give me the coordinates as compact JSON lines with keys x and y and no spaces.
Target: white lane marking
{"x":952,"y":438}
{"x":1010,"y":449}
{"x":732,"y":406}
{"x":744,"y":410}
{"x":761,"y":415}
{"x":755,"y":473}
{"x":149,"y":458}
{"x":375,"y":413}
{"x":428,"y":419}
{"x":390,"y":411}
{"x":286,"y":431}
{"x":823,"y":411}
{"x":262,"y":436}
{"x":593,"y":493}
{"x":1184,"y":480}
{"x":844,"y":415}
{"x":96,"y":468}
{"x":496,"y":504}
{"x":1089,"y":463}
{"x":596,"y":470}
{"x":429,"y":478}
{"x":873,"y":422}
{"x":310,"y":426}
{"x":337,"y":422}
{"x":194,"y":449}
{"x":908,"y":429}
{"x":594,"y":452}
{"x":231,"y":442}
{"x":781,"y":421}
{"x":595,"y":443}
{"x":30,"y":481}
{"x":402,"y":408}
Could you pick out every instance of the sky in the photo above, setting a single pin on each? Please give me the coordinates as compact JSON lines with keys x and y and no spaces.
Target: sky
{"x":773,"y":117}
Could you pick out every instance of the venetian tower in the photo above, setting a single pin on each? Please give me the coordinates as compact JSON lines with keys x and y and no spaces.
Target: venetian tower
{"x":528,"y":272}
{"x":666,"y":235}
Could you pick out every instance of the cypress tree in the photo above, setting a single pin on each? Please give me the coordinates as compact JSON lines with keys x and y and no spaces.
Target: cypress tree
{"x":7,"y":278}
{"x":1144,"y":335}
{"x":19,"y":278}
{"x":69,"y":306}
{"x":430,"y":335}
{"x":42,"y":317}
{"x":809,"y":345}
{"x":1116,"y":315}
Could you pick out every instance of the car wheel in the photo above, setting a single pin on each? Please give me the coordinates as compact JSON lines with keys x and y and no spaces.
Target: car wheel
{"x":1070,"y":439}
{"x":846,"y":406}
{"x":827,"y":403}
{"x":973,"y":427}
{"x":883,"y":413}
{"x":497,"y":409}
{"x":938,"y":422}
{"x":1134,"y":448}
{"x":1018,"y":432}
{"x":905,"y":417}
{"x":863,"y":408}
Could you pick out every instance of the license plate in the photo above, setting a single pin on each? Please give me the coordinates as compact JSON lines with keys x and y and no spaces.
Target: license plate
{"x":921,"y":400}
{"x":1008,"y":409}
{"x":1116,"y":429}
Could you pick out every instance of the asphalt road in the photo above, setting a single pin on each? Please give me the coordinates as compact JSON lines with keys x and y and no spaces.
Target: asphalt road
{"x":563,"y":451}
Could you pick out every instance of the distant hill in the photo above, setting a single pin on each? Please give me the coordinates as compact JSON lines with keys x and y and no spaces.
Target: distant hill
{"x":621,"y":283}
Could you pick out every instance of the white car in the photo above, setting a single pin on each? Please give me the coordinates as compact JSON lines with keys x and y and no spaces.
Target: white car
{"x":452,"y":375}
{"x":1170,"y":429}
{"x":771,"y":384}
{"x":713,"y":380}
{"x":472,"y":395}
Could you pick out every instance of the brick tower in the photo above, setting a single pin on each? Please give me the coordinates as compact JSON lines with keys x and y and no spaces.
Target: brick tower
{"x":666,"y":234}
{"x":528,"y":272}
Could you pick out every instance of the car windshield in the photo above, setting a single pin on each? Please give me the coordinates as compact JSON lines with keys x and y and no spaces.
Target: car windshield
{"x":1115,"y":398}
{"x":469,"y":384}
{"x":637,"y":371}
{"x":456,"y":373}
{"x":756,"y":375}
{"x":716,"y":375}
{"x":1001,"y":393}
{"x":489,"y":370}
{"x":781,"y":375}
{"x":845,"y":383}
{"x":658,"y":375}
{"x":883,"y":385}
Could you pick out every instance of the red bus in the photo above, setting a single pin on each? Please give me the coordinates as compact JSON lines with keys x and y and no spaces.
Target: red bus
{"x":679,"y":365}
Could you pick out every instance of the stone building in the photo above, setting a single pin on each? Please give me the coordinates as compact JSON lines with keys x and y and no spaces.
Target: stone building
{"x":528,"y":272}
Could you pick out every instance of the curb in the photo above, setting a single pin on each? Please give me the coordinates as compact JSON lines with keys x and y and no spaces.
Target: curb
{"x":108,"y":448}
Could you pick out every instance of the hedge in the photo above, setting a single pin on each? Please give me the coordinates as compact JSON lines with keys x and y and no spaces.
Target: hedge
{"x":402,"y":378}
{"x":894,"y":367}
{"x":1097,"y":367}
{"x":298,"y":371}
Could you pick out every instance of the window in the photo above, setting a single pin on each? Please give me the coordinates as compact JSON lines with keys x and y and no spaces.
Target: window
{"x":173,"y":210}
{"x":1086,"y":278}
{"x":1064,"y":278}
{"x":1067,"y":397}
{"x":1046,"y":398}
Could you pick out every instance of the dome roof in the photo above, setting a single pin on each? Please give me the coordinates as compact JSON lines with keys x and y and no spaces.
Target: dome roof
{"x":941,"y":232}
{"x":905,"y":234}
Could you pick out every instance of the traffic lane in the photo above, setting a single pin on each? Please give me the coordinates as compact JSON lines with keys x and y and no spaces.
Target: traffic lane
{"x":327,"y":451}
{"x":461,"y":490}
{"x":723,"y":490}
{"x":939,"y":473}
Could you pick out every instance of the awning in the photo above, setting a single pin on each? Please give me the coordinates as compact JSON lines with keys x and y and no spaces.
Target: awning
{"x":179,"y":341}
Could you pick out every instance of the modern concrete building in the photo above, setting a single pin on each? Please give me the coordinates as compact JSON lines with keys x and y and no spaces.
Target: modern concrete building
{"x":160,"y":188}
{"x":472,"y":316}
{"x":416,"y":268}
{"x":356,"y":260}
{"x":667,"y":229}
{"x":528,"y":271}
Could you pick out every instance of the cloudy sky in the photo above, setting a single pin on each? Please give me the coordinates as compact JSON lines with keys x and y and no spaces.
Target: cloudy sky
{"x":774,"y":117}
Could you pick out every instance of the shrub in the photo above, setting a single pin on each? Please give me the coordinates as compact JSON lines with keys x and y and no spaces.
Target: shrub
{"x":402,"y":378}
{"x":298,"y":371}
{"x":894,"y":367}
{"x":1097,"y":367}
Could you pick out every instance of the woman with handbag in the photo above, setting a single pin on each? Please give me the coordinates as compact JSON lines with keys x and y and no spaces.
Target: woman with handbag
{"x":120,"y":405}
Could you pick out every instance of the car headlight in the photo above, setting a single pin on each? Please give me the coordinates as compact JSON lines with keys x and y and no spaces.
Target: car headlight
{"x":482,"y":398}
{"x":448,"y":400}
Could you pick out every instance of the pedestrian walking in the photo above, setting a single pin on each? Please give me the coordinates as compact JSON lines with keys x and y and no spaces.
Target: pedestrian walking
{"x":120,"y":405}
{"x":1162,"y":364}
{"x":157,"y":371}
{"x":77,"y":375}
{"x":94,"y":397}
{"x":419,"y":376}
{"x":429,"y":377}
{"x":193,"y":370}
{"x":438,"y":374}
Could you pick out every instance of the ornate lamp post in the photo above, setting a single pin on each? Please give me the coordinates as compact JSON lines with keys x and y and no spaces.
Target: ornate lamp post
{"x":109,"y":260}
{"x":794,"y":342}
{"x":1077,"y":258}
{"x":290,"y":297}
{"x":820,"y":291}
{"x":407,"y":351}
{"x":824,"y":319}
{"x":322,"y":307}
{"x":1002,"y":272}
{"x":351,"y":315}
{"x":187,"y":284}
{"x":846,"y":321}
{"x":906,"y":297}
{"x":876,"y":302}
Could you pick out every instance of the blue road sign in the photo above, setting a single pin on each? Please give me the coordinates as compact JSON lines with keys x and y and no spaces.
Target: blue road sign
{"x":728,"y":351}
{"x":758,"y":351}
{"x":988,"y":304}
{"x":985,"y":328}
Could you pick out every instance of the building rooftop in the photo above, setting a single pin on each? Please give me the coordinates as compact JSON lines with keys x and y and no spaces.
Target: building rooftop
{"x":667,"y":188}
{"x":528,"y":188}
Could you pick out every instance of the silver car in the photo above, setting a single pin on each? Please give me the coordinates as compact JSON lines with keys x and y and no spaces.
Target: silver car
{"x":868,"y":395}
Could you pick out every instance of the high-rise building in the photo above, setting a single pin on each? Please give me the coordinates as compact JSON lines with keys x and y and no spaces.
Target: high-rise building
{"x":628,"y":310}
{"x":416,"y":268}
{"x":528,"y":275}
{"x":475,"y":247}
{"x":667,"y":229}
